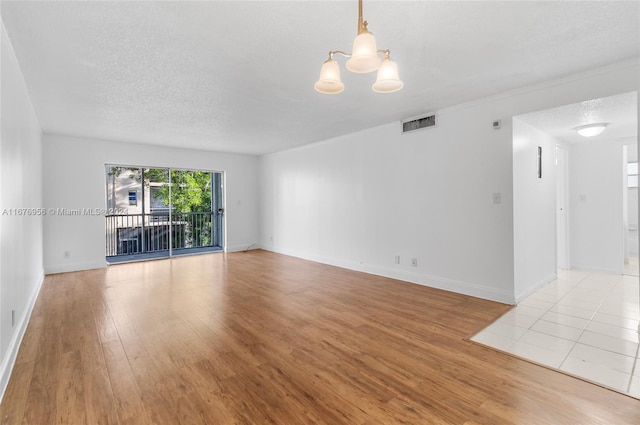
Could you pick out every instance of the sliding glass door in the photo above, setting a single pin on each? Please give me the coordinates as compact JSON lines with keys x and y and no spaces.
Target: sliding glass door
{"x":159,"y":212}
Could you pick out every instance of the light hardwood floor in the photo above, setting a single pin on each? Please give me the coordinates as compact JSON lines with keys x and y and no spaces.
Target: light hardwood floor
{"x":261,"y":338}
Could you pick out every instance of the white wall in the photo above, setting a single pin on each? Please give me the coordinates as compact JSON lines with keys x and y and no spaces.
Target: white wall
{"x":534,"y":209}
{"x":597,"y":180}
{"x":21,"y":271}
{"x":361,"y":199}
{"x":74,"y":178}
{"x":632,"y":204}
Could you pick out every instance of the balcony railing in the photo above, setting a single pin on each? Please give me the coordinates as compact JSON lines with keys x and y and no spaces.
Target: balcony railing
{"x":148,"y":233}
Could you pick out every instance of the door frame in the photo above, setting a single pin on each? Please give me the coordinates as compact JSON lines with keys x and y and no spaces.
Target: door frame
{"x":562,"y":209}
{"x":221,"y":200}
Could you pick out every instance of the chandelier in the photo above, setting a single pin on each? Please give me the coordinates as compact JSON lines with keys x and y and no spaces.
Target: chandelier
{"x":364,"y":58}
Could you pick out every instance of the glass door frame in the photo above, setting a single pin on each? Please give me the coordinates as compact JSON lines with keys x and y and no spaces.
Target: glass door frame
{"x":218,"y":207}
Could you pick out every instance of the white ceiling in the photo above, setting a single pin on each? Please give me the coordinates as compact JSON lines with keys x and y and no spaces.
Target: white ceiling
{"x":619,"y":111}
{"x":238,"y":76}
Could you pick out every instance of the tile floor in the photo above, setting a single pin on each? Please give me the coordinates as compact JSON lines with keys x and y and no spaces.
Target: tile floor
{"x":582,"y":323}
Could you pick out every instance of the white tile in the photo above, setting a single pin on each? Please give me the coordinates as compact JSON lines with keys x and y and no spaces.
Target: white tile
{"x":586,"y":296}
{"x":518,"y":318}
{"x":556,"y":329}
{"x":536,"y":303}
{"x":619,"y":321}
{"x":629,"y":281}
{"x":529,"y":311}
{"x":608,"y":343}
{"x":548,"y":342}
{"x":581,"y":300}
{"x":500,"y":342}
{"x":601,"y":279}
{"x":550,"y":298}
{"x":601,"y":357}
{"x":625,"y":297}
{"x":572,"y":275}
{"x":613,"y":331}
{"x":634,"y":388}
{"x":597,"y":373}
{"x":557,"y":289}
{"x":629,"y":312}
{"x":628,"y":289}
{"x":537,"y":354}
{"x":590,"y":306}
{"x":599,"y":287}
{"x":566,"y":284}
{"x":505,"y":329}
{"x":574,"y":311}
{"x":563,"y":319}
{"x":621,"y":301}
{"x":615,"y":306}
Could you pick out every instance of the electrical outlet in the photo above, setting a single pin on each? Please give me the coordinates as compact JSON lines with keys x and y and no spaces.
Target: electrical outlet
{"x":414,"y":262}
{"x":67,"y":254}
{"x":397,"y":259}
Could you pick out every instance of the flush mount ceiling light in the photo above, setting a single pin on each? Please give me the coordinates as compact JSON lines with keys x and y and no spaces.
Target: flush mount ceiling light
{"x":364,"y":58}
{"x":591,"y":130}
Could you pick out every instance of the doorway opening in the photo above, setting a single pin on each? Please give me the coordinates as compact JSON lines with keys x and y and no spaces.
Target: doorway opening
{"x":162,"y":212}
{"x":595,"y":211}
{"x":631,"y":267}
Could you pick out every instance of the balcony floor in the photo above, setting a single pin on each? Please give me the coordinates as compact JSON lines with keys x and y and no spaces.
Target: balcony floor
{"x":115,"y":259}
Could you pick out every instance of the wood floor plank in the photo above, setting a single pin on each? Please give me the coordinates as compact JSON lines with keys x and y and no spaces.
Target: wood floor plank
{"x":29,"y":347}
{"x":107,"y":330}
{"x":12,"y":411}
{"x":71,"y":390}
{"x":260,"y":338}
{"x":127,"y":397}
{"x":99,"y":402}
{"x":154,"y":390}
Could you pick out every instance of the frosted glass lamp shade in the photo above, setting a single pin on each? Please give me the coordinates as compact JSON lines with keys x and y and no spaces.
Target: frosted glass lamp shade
{"x":387,"y":80}
{"x":364,"y":56}
{"x":329,"y":81}
{"x":591,"y":130}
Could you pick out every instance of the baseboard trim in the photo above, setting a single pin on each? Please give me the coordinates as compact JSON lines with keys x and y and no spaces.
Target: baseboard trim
{"x":74,"y":267}
{"x":243,"y":247}
{"x":619,"y":271}
{"x":534,"y":288}
{"x":350,"y":265}
{"x":460,"y":287}
{"x":445,"y":284}
{"x":9,"y":361}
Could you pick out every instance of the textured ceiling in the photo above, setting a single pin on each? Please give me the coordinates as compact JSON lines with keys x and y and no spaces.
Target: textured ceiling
{"x":238,"y":76}
{"x":619,"y":111}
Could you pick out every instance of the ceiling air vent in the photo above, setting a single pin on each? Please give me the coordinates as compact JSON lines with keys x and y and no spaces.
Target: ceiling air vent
{"x":423,"y":121}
